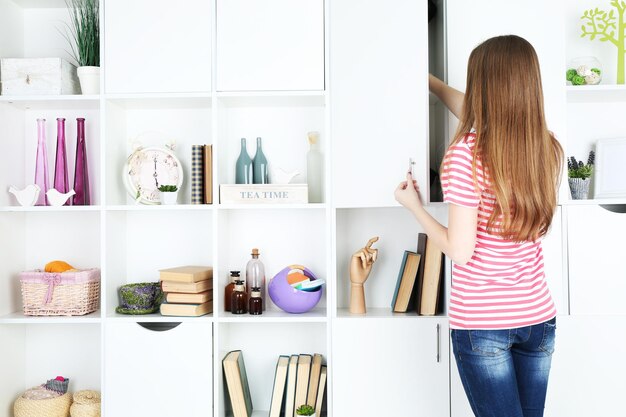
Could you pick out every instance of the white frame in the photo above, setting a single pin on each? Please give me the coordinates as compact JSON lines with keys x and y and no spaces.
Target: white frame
{"x":610,"y":170}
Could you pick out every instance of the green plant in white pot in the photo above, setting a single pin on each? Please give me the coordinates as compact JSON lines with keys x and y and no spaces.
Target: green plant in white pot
{"x":84,"y":40}
{"x":579,"y":176}
{"x":169,"y":194}
{"x":305,"y":410}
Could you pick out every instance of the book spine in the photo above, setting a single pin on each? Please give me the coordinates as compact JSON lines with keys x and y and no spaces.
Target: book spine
{"x":208,"y":174}
{"x":197,"y":174}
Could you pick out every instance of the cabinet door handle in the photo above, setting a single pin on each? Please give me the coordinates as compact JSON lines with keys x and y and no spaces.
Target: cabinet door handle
{"x":438,"y":342}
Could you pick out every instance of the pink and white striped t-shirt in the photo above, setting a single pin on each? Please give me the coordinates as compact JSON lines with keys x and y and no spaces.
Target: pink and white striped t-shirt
{"x":503,"y":286}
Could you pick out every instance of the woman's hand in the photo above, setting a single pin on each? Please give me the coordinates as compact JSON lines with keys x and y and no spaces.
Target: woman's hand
{"x":407,"y":193}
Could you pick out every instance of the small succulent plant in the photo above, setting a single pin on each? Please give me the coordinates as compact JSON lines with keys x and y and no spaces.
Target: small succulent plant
{"x":305,"y":410}
{"x":168,"y":188}
{"x":578,"y":169}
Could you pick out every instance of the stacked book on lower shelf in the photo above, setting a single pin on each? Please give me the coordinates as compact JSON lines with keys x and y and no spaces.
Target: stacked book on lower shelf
{"x":188,"y":291}
{"x":299,"y":381}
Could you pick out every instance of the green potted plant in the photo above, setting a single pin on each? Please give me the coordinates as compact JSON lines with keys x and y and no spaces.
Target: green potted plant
{"x":579,"y":176}
{"x":169,"y":194}
{"x":84,"y":40}
{"x":305,"y":410}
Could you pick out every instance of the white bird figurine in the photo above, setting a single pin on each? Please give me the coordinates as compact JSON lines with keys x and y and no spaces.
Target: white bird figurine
{"x":56,"y":198}
{"x":27,"y":196}
{"x":280,"y":176}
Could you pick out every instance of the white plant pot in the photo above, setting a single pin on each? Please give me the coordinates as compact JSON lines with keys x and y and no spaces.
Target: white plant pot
{"x":89,"y":79}
{"x":169,"y":198}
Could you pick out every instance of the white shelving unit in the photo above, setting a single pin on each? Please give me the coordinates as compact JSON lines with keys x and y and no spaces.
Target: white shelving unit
{"x":220,"y":70}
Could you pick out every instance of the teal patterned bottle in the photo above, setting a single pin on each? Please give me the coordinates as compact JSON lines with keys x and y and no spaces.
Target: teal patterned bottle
{"x":243,"y":168}
{"x":259,"y":165}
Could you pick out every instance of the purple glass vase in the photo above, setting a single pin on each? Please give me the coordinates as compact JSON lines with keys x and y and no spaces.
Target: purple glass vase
{"x":61,"y":181}
{"x":41,"y":163}
{"x":81,"y":175}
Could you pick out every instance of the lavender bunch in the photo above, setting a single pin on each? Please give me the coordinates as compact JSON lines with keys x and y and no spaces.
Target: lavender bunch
{"x":578,"y":169}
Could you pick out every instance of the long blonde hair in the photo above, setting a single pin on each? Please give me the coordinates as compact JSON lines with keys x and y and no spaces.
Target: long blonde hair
{"x":522,"y":159}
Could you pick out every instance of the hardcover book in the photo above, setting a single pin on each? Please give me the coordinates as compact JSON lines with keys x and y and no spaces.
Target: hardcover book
{"x":186,"y":273}
{"x":208,"y":174}
{"x":183,"y":298}
{"x":186,"y":310}
{"x":321,"y":389}
{"x":415,"y":301}
{"x":197,"y":174}
{"x":237,"y":384}
{"x":405,"y":284}
{"x":302,"y":380}
{"x":433,"y":270}
{"x":290,"y":389}
{"x":280,"y":382}
{"x":187,"y":287}
{"x":314,"y":379}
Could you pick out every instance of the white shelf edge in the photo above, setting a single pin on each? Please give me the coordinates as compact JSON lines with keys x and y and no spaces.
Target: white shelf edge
{"x":384,"y":313}
{"x":159,"y":207}
{"x":155,"y":318}
{"x":309,"y":206}
{"x":50,"y":97}
{"x":271,"y":93}
{"x":20,"y":318}
{"x":48,"y":209}
{"x":589,"y":202}
{"x":317,"y":315}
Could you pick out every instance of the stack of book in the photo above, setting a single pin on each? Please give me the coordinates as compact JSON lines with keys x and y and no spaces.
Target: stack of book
{"x":188,"y":291}
{"x":420,"y":281}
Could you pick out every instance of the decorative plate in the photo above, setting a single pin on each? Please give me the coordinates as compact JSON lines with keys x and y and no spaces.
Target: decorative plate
{"x":148,"y":168}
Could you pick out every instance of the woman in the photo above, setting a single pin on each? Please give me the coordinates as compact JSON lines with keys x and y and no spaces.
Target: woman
{"x":500,"y":176}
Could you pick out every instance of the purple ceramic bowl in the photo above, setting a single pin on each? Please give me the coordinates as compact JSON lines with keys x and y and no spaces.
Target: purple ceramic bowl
{"x":290,"y":299}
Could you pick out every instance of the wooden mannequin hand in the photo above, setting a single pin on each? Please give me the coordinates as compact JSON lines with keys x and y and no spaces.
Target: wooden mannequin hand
{"x":362,"y":261}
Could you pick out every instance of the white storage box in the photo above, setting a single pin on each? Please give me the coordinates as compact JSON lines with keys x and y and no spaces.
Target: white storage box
{"x":37,"y":76}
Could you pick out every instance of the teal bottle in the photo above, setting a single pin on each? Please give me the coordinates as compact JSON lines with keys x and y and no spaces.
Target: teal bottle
{"x":259,"y":165}
{"x":243,"y":168}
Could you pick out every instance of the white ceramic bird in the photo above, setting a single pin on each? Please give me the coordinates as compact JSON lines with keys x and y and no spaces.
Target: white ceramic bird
{"x":27,"y":196}
{"x":56,"y":198}
{"x":280,"y":176}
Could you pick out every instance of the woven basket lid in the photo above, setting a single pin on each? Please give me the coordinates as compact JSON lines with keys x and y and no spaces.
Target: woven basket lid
{"x":87,"y":397}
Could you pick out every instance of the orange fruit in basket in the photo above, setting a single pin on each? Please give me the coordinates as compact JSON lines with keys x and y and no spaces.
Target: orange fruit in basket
{"x":58,"y":266}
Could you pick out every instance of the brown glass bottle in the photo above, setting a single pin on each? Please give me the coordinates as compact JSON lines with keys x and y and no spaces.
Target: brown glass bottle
{"x":230,"y":287}
{"x":239,"y":299}
{"x":255,"y":305}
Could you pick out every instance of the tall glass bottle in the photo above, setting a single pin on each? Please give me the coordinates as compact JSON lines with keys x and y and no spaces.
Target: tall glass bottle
{"x":41,"y":164}
{"x":259,"y":165}
{"x":230,"y":287}
{"x":255,"y":275}
{"x":243,"y":168}
{"x":314,"y":168}
{"x":61,"y":179}
{"x":81,"y":173}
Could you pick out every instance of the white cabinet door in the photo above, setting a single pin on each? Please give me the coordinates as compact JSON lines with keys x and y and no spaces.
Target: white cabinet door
{"x":597,"y":277}
{"x":588,"y":367}
{"x":158,"y":372}
{"x":384,"y":367}
{"x":157,"y":46}
{"x":554,"y":261}
{"x":539,"y":22}
{"x":379,"y":100}
{"x":270,"y":45}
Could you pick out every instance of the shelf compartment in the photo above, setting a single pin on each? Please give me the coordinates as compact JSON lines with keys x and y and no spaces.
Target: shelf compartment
{"x":19,"y":142}
{"x":282,"y":121}
{"x":397,"y":231}
{"x":140,"y":243}
{"x":32,"y":354}
{"x":260,"y":358}
{"x":129,"y":125}
{"x":294,"y":236}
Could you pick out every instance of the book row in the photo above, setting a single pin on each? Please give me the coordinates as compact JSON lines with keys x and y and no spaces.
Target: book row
{"x":299,"y":385}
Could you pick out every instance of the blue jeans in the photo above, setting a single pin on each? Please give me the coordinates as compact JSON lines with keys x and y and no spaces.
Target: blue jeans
{"x":505,"y":372}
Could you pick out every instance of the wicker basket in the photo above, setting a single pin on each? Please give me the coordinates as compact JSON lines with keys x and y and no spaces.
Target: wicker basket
{"x":86,"y":404}
{"x":60,"y":294}
{"x":52,"y":407}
